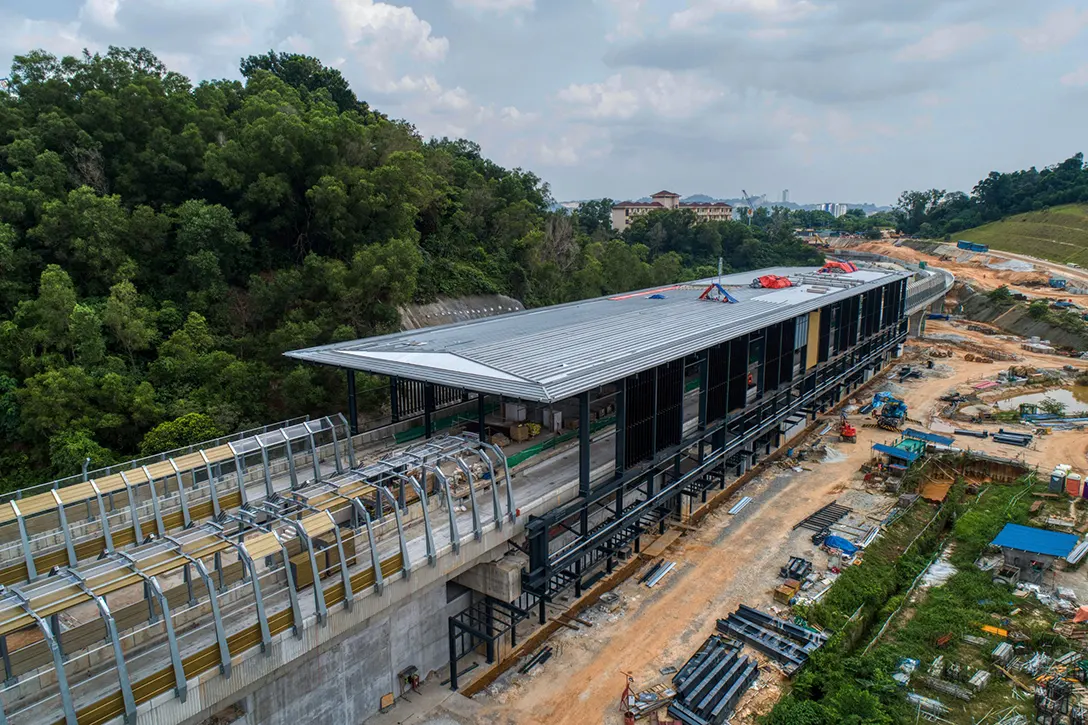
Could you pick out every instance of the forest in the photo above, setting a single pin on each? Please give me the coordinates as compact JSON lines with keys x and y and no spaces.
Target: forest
{"x":162,"y":243}
{"x":936,"y":213}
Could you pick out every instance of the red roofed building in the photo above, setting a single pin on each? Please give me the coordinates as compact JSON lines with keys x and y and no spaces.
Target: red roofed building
{"x":625,"y":212}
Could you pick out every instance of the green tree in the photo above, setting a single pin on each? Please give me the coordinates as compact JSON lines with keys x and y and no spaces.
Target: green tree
{"x":187,"y":430}
{"x":131,"y":324}
{"x":70,"y":449}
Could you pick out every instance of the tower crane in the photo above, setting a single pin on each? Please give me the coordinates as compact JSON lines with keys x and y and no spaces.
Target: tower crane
{"x":751,"y":202}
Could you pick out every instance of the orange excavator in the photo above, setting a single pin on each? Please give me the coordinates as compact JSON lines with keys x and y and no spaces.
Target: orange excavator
{"x":847,"y":432}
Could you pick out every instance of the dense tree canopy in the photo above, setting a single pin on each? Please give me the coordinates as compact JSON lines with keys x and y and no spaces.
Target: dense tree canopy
{"x":162,"y":244}
{"x":936,"y":213}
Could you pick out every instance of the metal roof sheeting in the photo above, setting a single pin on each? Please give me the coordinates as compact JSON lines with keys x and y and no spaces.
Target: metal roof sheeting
{"x":894,"y":452}
{"x":929,"y":437}
{"x":1036,"y":541}
{"x":552,"y":353}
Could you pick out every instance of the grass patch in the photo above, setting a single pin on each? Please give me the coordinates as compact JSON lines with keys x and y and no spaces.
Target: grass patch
{"x":1059,"y":234}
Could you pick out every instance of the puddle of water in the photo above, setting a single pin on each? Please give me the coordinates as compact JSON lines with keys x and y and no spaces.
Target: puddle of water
{"x":1075,"y":399}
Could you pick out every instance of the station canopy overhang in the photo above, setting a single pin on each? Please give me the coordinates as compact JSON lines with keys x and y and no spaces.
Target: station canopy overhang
{"x":552,"y":353}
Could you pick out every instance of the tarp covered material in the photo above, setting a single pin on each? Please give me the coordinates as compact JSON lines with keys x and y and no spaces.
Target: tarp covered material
{"x":1036,"y":541}
{"x":773,"y":281}
{"x":837,"y":542}
{"x":895,"y":452}
{"x":929,"y":437}
{"x":834,"y":267}
{"x":1081,"y":615}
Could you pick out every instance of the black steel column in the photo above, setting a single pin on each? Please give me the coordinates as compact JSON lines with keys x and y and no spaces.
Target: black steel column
{"x":621,"y":427}
{"x":481,"y":416}
{"x":489,"y":616}
{"x":394,"y":399}
{"x":428,"y":410}
{"x":453,"y":654}
{"x":704,"y":385}
{"x":653,"y":419}
{"x":353,"y":411}
{"x":583,"y":457}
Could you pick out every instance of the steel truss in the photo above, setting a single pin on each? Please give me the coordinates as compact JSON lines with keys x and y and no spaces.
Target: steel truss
{"x":705,"y":455}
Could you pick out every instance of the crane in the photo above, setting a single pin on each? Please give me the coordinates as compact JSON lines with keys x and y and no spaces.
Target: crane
{"x":751,"y":202}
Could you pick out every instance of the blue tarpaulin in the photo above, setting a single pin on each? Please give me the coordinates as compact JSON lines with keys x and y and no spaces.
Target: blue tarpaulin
{"x":928,"y":437}
{"x":895,"y":452}
{"x":837,"y":542}
{"x":1036,"y":541}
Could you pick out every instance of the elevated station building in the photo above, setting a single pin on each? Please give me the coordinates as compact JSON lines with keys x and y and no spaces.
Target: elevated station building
{"x":308,"y":571}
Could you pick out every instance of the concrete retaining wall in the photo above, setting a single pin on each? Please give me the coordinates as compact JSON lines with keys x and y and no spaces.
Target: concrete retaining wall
{"x":343,"y":682}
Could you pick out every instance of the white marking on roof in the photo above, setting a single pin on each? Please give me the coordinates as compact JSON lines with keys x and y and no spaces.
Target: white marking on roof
{"x":438,"y":361}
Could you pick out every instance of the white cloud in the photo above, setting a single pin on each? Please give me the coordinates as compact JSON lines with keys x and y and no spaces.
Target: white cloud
{"x":578,"y":145}
{"x":659,"y":93}
{"x":1056,"y":30}
{"x":627,"y":21}
{"x":383,"y":37}
{"x":944,"y":42}
{"x":699,"y":12}
{"x":602,"y":100}
{"x":378,"y":23}
{"x":499,"y":6}
{"x":103,"y":12}
{"x":1078,"y":77}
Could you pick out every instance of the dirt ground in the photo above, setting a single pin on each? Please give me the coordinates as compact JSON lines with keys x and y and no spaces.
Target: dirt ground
{"x":731,"y":560}
{"x":1032,"y":284}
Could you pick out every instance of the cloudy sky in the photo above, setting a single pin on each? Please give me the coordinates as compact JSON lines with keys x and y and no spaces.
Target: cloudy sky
{"x":836,"y":100}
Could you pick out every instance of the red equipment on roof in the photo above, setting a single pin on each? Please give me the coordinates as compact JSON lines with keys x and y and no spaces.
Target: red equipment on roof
{"x":773,"y":281}
{"x":833,"y":267}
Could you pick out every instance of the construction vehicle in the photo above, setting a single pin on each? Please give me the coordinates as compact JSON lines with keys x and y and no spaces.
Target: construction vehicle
{"x":889,"y":411}
{"x":847,"y":432}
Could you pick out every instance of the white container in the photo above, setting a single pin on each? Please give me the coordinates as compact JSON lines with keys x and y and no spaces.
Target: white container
{"x":516,"y":412}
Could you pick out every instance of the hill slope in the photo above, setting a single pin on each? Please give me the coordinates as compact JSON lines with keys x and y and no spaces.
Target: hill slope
{"x":1059,"y":234}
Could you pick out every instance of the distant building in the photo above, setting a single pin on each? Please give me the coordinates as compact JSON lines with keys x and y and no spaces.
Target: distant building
{"x":785,"y":196}
{"x":835,"y":210}
{"x":624,"y":212}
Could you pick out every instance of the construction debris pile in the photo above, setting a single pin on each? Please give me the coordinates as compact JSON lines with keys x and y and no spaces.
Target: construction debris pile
{"x":711,"y":683}
{"x":787,"y":644}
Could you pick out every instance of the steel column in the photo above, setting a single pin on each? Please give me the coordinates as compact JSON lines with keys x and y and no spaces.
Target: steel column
{"x":240,"y":473}
{"x":58,"y":657}
{"x":267,"y":472}
{"x":407,"y":563}
{"x":455,"y":537}
{"x":584,"y":457}
{"x":375,"y":558}
{"x":28,"y":556}
{"x":345,"y":576}
{"x":428,"y":534}
{"x":477,"y":530}
{"x":64,"y":528}
{"x":292,"y":590}
{"x":211,"y":485}
{"x":428,"y":410}
{"x":621,"y":427}
{"x":262,"y":619}
{"x":511,"y":510}
{"x":481,"y":417}
{"x":394,"y":400}
{"x":159,"y":526}
{"x":102,"y":512}
{"x":181,"y":493}
{"x":134,"y":508}
{"x":353,"y":411}
{"x":319,"y":591}
{"x":115,"y":641}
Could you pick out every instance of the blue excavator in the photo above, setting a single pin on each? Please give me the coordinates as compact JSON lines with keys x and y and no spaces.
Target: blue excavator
{"x":889,"y":411}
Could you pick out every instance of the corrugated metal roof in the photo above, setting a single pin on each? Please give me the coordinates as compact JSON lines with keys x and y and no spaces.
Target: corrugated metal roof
{"x":552,"y":353}
{"x":1036,"y":541}
{"x":900,"y":453}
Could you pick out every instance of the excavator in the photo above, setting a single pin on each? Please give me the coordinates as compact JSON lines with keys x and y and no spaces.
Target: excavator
{"x":889,"y":411}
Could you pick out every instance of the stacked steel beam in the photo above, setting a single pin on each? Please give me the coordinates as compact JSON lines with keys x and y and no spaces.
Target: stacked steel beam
{"x":786,"y":643}
{"x":709,"y":685}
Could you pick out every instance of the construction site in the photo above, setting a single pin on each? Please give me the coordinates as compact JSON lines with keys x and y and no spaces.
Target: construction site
{"x":634,"y":508}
